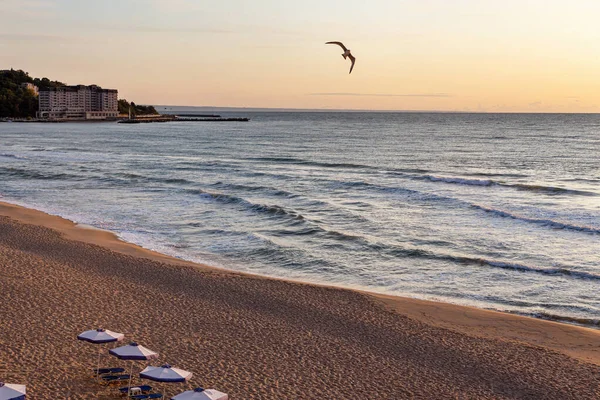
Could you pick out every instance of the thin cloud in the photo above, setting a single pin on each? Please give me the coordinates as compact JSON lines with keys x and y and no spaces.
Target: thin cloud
{"x":17,"y":37}
{"x":154,"y":29}
{"x":384,"y":94}
{"x":235,"y":29}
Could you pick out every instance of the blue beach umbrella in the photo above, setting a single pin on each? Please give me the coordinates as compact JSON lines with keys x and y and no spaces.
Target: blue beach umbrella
{"x":9,"y":391}
{"x":100,"y":336}
{"x":165,"y":373}
{"x":133,"y":352}
{"x":201,"y":394}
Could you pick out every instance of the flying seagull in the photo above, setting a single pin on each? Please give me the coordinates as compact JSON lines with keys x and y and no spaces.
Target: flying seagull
{"x":346,"y":53}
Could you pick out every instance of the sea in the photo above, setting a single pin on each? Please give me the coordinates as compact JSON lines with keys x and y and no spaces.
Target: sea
{"x":496,"y":211}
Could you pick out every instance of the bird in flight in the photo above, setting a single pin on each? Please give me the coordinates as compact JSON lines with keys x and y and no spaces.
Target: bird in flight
{"x":346,"y":53}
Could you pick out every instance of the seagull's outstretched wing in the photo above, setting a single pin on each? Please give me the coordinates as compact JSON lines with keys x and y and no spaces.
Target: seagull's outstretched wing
{"x":353,"y":59}
{"x":339,"y":44}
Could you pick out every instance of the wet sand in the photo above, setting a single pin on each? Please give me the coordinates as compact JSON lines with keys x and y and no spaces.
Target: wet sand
{"x":259,"y":338}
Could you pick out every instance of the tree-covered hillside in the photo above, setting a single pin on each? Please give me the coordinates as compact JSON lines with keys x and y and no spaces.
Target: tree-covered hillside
{"x":17,"y":101}
{"x":124,"y":106}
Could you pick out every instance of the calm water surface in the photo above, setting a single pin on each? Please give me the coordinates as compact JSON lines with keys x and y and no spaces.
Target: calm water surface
{"x":495,"y":211}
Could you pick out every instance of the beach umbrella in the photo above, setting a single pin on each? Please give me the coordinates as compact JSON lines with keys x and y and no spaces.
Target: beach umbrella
{"x":201,"y":394}
{"x":100,"y":336}
{"x":165,"y":373}
{"x":9,"y":391}
{"x":133,"y":352}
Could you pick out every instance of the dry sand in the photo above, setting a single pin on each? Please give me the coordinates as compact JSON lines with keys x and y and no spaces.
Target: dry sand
{"x":259,"y":338}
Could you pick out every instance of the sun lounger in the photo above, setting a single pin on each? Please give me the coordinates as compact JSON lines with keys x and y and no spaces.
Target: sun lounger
{"x":140,"y":388}
{"x":114,"y":378}
{"x":103,"y":371}
{"x":147,"y":396}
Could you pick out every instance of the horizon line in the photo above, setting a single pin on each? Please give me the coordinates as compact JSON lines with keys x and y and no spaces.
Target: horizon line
{"x":382,"y":94}
{"x":291,"y":109}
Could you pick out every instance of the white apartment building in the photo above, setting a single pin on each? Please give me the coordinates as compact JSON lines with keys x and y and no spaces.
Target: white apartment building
{"x":78,"y":102}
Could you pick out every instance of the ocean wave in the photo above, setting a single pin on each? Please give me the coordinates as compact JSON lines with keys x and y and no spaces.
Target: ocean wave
{"x":124,"y":178}
{"x":543,"y":222}
{"x":305,"y":231}
{"x":15,"y":156}
{"x":459,"y":181}
{"x":276,"y":210}
{"x":396,"y":251}
{"x":392,"y":190}
{"x":255,"y":174}
{"x":424,"y":196}
{"x":251,"y":188}
{"x":338,"y":165}
{"x":565,"y":272}
{"x":371,"y":168}
{"x":224,"y":198}
{"x":404,"y":171}
{"x":371,"y":186}
{"x":561,"y":318}
{"x":290,"y":160}
{"x":498,"y":175}
{"x":406,"y":252}
{"x":298,"y":161}
{"x":33,"y":174}
{"x":544,"y":271}
{"x":584,"y":180}
{"x":550,"y":190}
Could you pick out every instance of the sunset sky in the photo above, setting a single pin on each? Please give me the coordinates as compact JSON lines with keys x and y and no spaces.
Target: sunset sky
{"x":461,"y":55}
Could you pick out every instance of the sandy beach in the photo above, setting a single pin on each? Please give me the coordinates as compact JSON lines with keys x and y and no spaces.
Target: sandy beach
{"x":259,"y":338}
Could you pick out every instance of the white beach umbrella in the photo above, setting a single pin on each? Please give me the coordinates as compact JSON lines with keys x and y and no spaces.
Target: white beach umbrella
{"x":201,"y":394}
{"x":133,"y":352}
{"x":9,"y":391}
{"x":100,"y":336}
{"x":165,"y":373}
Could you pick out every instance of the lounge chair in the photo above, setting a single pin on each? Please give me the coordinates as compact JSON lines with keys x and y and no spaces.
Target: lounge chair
{"x":103,"y":371}
{"x":142,"y":388}
{"x":147,"y":396}
{"x":114,"y":378}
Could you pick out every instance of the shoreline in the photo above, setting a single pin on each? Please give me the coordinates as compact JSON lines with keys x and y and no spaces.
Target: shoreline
{"x":114,"y":242}
{"x":452,"y":316}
